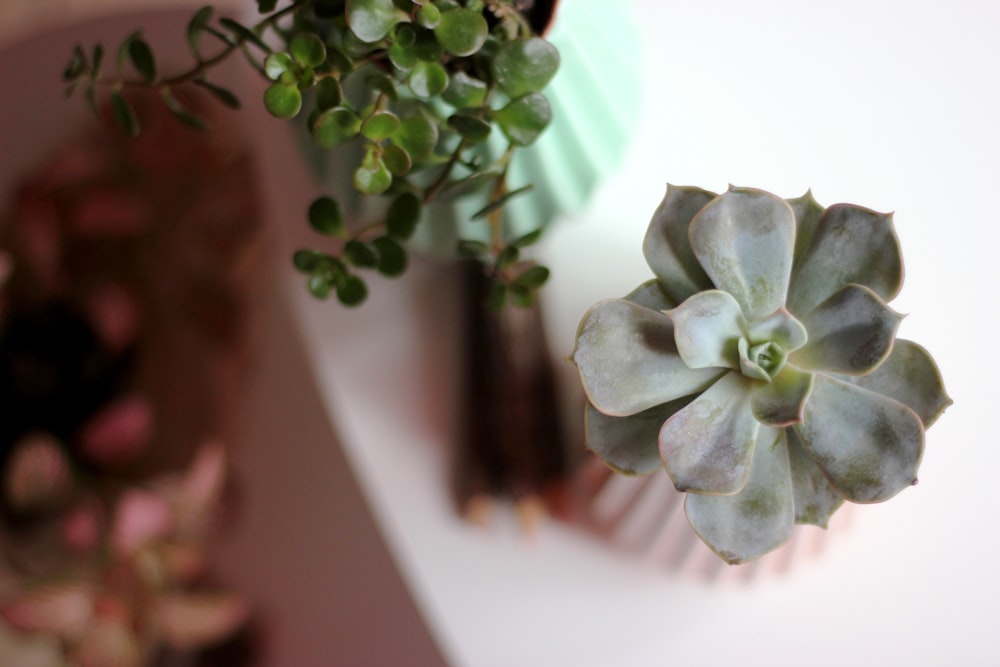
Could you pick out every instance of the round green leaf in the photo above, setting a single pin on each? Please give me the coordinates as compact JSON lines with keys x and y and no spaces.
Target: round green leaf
{"x":427,"y":47}
{"x":508,"y":256}
{"x":429,"y":16}
{"x":371,"y":20}
{"x":360,"y":254}
{"x":464,"y":91}
{"x":352,"y":291}
{"x":524,"y":66}
{"x":417,"y":136}
{"x":403,"y":215}
{"x":524,"y":119}
{"x":329,"y":94}
{"x":326,"y":217}
{"x":428,"y":79}
{"x":402,"y":57}
{"x":404,"y":35}
{"x":308,"y":49}
{"x":383,"y":83}
{"x":461,"y":31}
{"x":391,"y":256}
{"x":372,"y":182}
{"x":522,"y":295}
{"x":498,"y":296}
{"x":380,"y":125}
{"x":396,"y":160}
{"x":471,"y":128}
{"x":307,"y":261}
{"x":282,"y":101}
{"x":335,"y":126}
{"x":319,"y":285}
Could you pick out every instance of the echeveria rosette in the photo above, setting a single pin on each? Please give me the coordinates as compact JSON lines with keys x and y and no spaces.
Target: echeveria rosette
{"x":760,"y":367}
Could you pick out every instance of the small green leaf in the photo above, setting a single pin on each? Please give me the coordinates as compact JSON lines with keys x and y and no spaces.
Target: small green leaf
{"x":380,"y":125}
{"x":524,"y":66}
{"x":276,"y":64}
{"x":282,"y":101}
{"x":428,"y":79}
{"x":461,"y":31}
{"x":396,"y":160}
{"x":525,"y":118}
{"x":96,"y":59}
{"x":329,"y":93}
{"x":429,"y":16}
{"x":403,"y":215}
{"x":142,"y":59}
{"x":533,"y":278}
{"x":372,"y":182}
{"x":417,"y":136}
{"x":508,"y":256}
{"x":124,"y":115}
{"x":427,"y":47}
{"x":308,"y":49}
{"x":498,"y":296}
{"x":501,"y":201}
{"x":244,"y":34}
{"x":522,"y":295}
{"x":326,"y":217}
{"x":472,"y":128}
{"x":335,"y":126}
{"x":77,"y":64}
{"x":360,"y":254}
{"x":403,"y":57}
{"x":404,"y":35}
{"x":471,"y":249}
{"x":528,"y":239}
{"x":352,"y":291}
{"x":319,"y":285}
{"x":224,"y":95}
{"x":371,"y":20}
{"x":180,"y":112}
{"x":266,"y":6}
{"x":307,"y":261}
{"x":465,"y":92}
{"x":196,"y":26}
{"x":391,"y":256}
{"x":123,"y":49}
{"x":383,"y":83}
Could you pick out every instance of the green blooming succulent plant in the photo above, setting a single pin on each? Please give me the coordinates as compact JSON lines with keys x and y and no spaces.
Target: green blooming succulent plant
{"x":760,"y":367}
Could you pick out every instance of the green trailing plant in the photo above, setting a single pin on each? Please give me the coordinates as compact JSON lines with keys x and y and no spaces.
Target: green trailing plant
{"x":415,"y":87}
{"x":760,"y":367}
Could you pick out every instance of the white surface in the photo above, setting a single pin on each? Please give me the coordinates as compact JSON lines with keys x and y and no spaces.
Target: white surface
{"x":889,"y":105}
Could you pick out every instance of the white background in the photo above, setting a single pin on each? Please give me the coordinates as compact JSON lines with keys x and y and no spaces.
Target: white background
{"x":891,"y":105}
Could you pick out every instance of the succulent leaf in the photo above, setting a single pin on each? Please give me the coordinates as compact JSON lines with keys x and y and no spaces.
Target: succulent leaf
{"x":815,"y":498}
{"x":667,"y":247}
{"x":756,"y":520}
{"x":651,"y":295}
{"x":807,"y":215}
{"x":707,"y":327}
{"x":744,"y":240}
{"x":779,"y":327}
{"x":628,"y":360}
{"x":850,"y":245}
{"x":868,"y":445}
{"x":910,"y":376}
{"x":707,"y":447}
{"x":629,"y":444}
{"x":780,"y":402}
{"x":850,"y":332}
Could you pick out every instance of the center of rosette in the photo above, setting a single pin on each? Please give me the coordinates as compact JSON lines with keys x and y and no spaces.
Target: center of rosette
{"x":761,"y":361}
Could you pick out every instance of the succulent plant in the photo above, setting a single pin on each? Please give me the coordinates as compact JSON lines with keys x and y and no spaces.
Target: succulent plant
{"x":761,"y":366}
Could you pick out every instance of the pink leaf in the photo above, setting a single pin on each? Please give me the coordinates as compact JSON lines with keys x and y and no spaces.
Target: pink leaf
{"x":64,"y":610}
{"x":119,"y":432}
{"x":141,"y":517}
{"x":37,"y":475}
